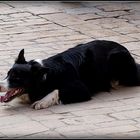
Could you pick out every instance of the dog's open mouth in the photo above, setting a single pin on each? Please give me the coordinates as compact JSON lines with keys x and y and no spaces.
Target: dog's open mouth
{"x":11,"y":94}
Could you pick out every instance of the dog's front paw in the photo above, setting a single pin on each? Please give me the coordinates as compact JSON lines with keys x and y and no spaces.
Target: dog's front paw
{"x":47,"y":101}
{"x":40,"y":104}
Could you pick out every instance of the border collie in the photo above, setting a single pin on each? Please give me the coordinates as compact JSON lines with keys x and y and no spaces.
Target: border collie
{"x":72,"y":76}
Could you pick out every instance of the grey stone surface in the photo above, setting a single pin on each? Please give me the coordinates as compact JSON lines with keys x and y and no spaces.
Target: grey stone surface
{"x":46,"y":28}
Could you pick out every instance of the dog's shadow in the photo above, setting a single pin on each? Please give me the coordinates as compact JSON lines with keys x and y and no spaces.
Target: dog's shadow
{"x":120,"y":93}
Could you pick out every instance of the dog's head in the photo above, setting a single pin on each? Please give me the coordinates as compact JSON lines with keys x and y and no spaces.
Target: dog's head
{"x":21,"y":76}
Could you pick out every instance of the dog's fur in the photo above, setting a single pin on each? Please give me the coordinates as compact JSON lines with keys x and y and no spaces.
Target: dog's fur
{"x":75,"y":74}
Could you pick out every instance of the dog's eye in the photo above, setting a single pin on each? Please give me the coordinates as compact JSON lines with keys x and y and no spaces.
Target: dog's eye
{"x":12,"y":75}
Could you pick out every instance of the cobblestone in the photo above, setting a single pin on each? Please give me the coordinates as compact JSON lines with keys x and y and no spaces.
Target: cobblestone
{"x":46,"y":28}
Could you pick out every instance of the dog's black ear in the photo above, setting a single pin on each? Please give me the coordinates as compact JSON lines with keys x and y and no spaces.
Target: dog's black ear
{"x":21,"y":59}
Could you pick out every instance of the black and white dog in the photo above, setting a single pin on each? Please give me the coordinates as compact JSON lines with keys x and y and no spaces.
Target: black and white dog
{"x":73,"y":75}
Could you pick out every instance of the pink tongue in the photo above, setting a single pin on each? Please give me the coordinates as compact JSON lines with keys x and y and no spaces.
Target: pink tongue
{"x":6,"y":96}
{"x":2,"y":99}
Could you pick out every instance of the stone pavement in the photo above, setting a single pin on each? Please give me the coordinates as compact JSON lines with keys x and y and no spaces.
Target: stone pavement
{"x":47,"y":28}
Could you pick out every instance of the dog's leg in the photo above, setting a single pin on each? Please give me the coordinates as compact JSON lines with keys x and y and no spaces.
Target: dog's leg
{"x":122,"y":67}
{"x":74,"y":92}
{"x":49,"y":100}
